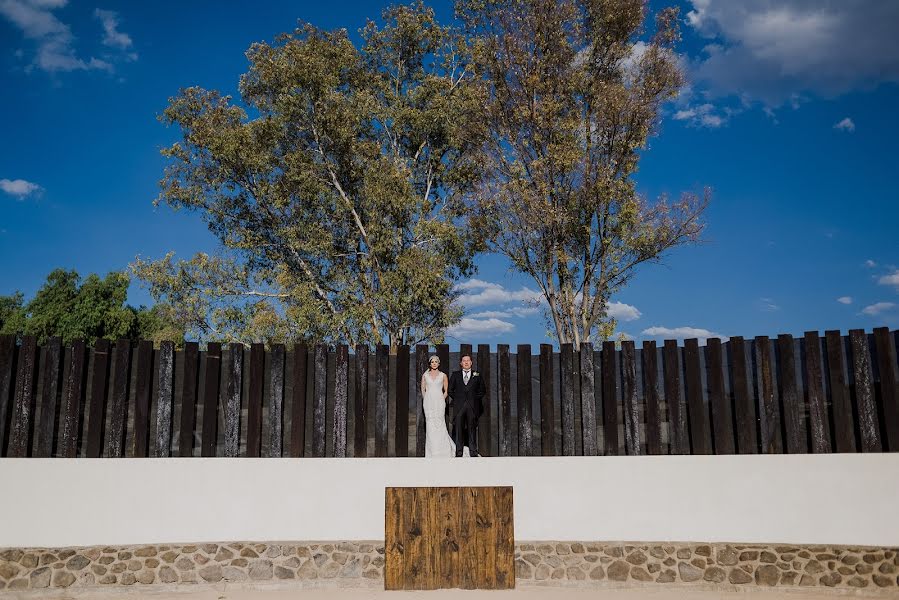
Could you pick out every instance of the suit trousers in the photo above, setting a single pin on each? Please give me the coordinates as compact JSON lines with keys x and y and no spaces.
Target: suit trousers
{"x":465,"y":425}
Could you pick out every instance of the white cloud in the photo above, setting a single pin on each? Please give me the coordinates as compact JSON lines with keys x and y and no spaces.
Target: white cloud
{"x":480,"y":293}
{"x":111,"y":35}
{"x":623,"y":312}
{"x":19,"y":187}
{"x":845,"y":299}
{"x":703,"y":115}
{"x":870,"y":264}
{"x":468,"y":327}
{"x":518,"y":311}
{"x":891,"y":279}
{"x":878,"y":308}
{"x":681,"y":333}
{"x":768,"y":305}
{"x":846,"y":125}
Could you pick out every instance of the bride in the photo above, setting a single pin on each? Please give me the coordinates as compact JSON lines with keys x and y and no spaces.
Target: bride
{"x":434,"y":385}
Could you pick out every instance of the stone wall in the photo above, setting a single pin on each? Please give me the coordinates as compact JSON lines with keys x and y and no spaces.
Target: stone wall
{"x":537,"y":563}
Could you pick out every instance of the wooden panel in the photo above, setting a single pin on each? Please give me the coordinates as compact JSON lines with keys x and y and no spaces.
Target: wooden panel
{"x":96,"y":420}
{"x":211,"y":382}
{"x":677,"y":413}
{"x":341,"y":398}
{"x":276,"y":400}
{"x":254,"y":401}
{"x":793,"y":408}
{"x":819,"y":421}
{"x":468,"y":536}
{"x":769,"y":408}
{"x":189,"y":386}
{"x":143,"y":384}
{"x":24,"y":401}
{"x":401,"y":443}
{"x":744,"y":407}
{"x":486,"y":424}
{"x":298,"y":401}
{"x":503,"y":537}
{"x":651,"y":396}
{"x":889,"y":390}
{"x":165,"y":399}
{"x":547,"y":422}
{"x":7,"y":368}
{"x":609,"y":400}
{"x":505,"y":402}
{"x":232,"y":401}
{"x":421,"y":365}
{"x":443,"y":354}
{"x":118,"y":405}
{"x":631,"y":402}
{"x":525,"y":435}
{"x":319,"y":400}
{"x":700,"y":434}
{"x":588,"y":401}
{"x":51,"y":375}
{"x":415,"y":542}
{"x":566,"y":395}
{"x":73,"y":395}
{"x":448,"y":504}
{"x":382,"y":379}
{"x":396,"y":502}
{"x":722,"y":415}
{"x":868,"y":421}
{"x":843,"y":419}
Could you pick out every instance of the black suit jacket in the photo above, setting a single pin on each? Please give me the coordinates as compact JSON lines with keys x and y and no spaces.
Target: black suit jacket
{"x":471,"y":394}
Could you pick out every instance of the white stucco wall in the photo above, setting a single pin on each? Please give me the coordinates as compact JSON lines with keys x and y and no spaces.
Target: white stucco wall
{"x":835,"y":499}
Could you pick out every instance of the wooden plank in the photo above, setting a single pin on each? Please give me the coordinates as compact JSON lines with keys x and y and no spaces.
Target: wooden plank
{"x":677,"y":412}
{"x":415,"y":560}
{"x":468,"y":536}
{"x":547,"y":422}
{"x":24,"y":401}
{"x":868,"y":421}
{"x":277,"y":357}
{"x":793,"y":407}
{"x":609,"y":400}
{"x":889,"y":389}
{"x":485,"y":538}
{"x":819,"y":421}
{"x":165,"y":399}
{"x":118,"y":405}
{"x":96,"y":420}
{"x":651,"y":396}
{"x":7,"y":368}
{"x":298,"y":401}
{"x":231,"y":411}
{"x":566,"y":389}
{"x":319,"y":400}
{"x":505,"y":538}
{"x":382,"y":379}
{"x":51,"y":375}
{"x":631,"y":402}
{"x":431,"y":530}
{"x":211,"y":382}
{"x":341,"y":398}
{"x":588,"y":401}
{"x":449,"y":503}
{"x":189,"y":385}
{"x":401,"y":443}
{"x":143,"y":383}
{"x":465,"y":350}
{"x":744,"y":407}
{"x":722,"y":414}
{"x":443,"y":354}
{"x":73,"y":395}
{"x":487,"y":422}
{"x":254,"y":400}
{"x":769,"y":408}
{"x":700,"y":434}
{"x":421,"y":365}
{"x":394,"y":536}
{"x":525,"y":435}
{"x":843,"y":419}
{"x":505,"y":402}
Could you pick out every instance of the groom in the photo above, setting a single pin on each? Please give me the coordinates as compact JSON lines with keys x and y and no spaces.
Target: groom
{"x":467,"y":391}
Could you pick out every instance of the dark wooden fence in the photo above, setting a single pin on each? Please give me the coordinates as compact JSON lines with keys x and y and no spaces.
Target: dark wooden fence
{"x":812,"y":394}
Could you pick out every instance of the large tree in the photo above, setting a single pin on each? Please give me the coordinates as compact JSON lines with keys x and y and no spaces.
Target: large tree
{"x":575,"y":89}
{"x":331,"y":187}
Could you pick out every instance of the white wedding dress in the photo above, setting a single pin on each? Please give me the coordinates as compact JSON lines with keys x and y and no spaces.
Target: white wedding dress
{"x":438,"y":443}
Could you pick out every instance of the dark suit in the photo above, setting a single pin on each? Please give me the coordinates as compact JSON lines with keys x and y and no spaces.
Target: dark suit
{"x":467,"y":409}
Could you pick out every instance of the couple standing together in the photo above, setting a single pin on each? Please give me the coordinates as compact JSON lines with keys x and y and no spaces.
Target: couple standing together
{"x":465,"y":391}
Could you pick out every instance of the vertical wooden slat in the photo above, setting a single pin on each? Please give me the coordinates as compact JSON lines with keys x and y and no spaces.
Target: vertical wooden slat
{"x":319,"y":399}
{"x":443,"y":354}
{"x":698,"y":416}
{"x":468,"y":533}
{"x":868,"y":422}
{"x":722,"y":415}
{"x":189,"y":386}
{"x":254,"y":401}
{"x":402,"y":401}
{"x":588,"y":401}
{"x":298,"y":401}
{"x":819,"y":421}
{"x":143,"y":384}
{"x":651,"y":396}
{"x":525,"y":441}
{"x":465,"y":349}
{"x":769,"y":409}
{"x":631,"y":402}
{"x":7,"y":364}
{"x":505,"y":537}
{"x":22,"y":425}
{"x":547,"y":422}
{"x":212,"y":382}
{"x":889,"y":390}
{"x":486,"y":427}
{"x":416,"y":545}
{"x":232,"y":401}
{"x":394,"y":534}
{"x":165,"y":399}
{"x":505,"y":403}
{"x":276,"y":400}
{"x":431,"y":522}
{"x":72,"y":401}
{"x":421,"y":365}
{"x":118,"y":406}
{"x":794,"y":411}
{"x":382,"y":378}
{"x":566,"y":392}
{"x":448,"y":557}
{"x":843,"y":419}
{"x":50,"y":389}
{"x":677,"y":414}
{"x":744,"y":407}
{"x":341,"y":398}
{"x":609,"y":400}
{"x":96,"y":421}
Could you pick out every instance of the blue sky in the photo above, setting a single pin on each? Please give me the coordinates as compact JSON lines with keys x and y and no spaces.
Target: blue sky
{"x":790,"y":117}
